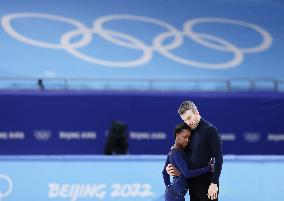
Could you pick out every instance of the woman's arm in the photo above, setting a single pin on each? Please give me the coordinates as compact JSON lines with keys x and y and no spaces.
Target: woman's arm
{"x":166,"y":177}
{"x":178,"y":157}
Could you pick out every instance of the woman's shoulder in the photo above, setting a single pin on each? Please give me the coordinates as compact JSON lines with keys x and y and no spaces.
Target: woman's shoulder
{"x":176,"y":151}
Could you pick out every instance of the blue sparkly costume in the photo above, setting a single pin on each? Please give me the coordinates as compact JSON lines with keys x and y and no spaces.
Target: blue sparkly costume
{"x":177,"y":189}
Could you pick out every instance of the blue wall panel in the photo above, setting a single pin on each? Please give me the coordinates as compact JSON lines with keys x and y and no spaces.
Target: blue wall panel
{"x":77,"y":122}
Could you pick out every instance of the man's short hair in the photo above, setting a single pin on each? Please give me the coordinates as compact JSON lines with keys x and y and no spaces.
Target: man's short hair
{"x":187,"y":105}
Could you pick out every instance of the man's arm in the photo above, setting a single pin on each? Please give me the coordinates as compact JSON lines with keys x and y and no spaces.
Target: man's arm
{"x":216,"y":152}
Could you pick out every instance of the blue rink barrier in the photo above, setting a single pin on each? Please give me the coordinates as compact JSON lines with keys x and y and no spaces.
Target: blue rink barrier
{"x":76,"y":122}
{"x":79,"y":178}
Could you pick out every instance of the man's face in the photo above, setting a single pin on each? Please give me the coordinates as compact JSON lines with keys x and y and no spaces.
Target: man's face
{"x":190,"y":118}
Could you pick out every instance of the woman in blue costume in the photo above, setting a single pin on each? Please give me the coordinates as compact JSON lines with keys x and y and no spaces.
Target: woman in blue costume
{"x":177,"y":189}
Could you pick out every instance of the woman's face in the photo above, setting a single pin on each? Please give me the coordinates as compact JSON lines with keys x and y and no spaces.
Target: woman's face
{"x":182,"y":138}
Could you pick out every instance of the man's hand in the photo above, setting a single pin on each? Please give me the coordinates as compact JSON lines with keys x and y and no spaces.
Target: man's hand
{"x":171,"y":170}
{"x":213,"y":191}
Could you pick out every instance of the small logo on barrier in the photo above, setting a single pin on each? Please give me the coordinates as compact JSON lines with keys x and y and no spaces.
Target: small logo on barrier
{"x":5,"y":192}
{"x":42,"y":135}
{"x":252,"y":137}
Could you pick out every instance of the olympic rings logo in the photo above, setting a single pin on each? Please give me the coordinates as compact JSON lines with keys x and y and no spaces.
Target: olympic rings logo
{"x":9,"y":188}
{"x":127,"y":41}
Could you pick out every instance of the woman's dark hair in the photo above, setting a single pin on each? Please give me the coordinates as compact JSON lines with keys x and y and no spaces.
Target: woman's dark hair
{"x":180,"y":127}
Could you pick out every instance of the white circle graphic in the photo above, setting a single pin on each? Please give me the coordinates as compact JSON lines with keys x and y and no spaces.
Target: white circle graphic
{"x":10,"y":186}
{"x":266,"y":42}
{"x":7,"y":19}
{"x":128,"y":41}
